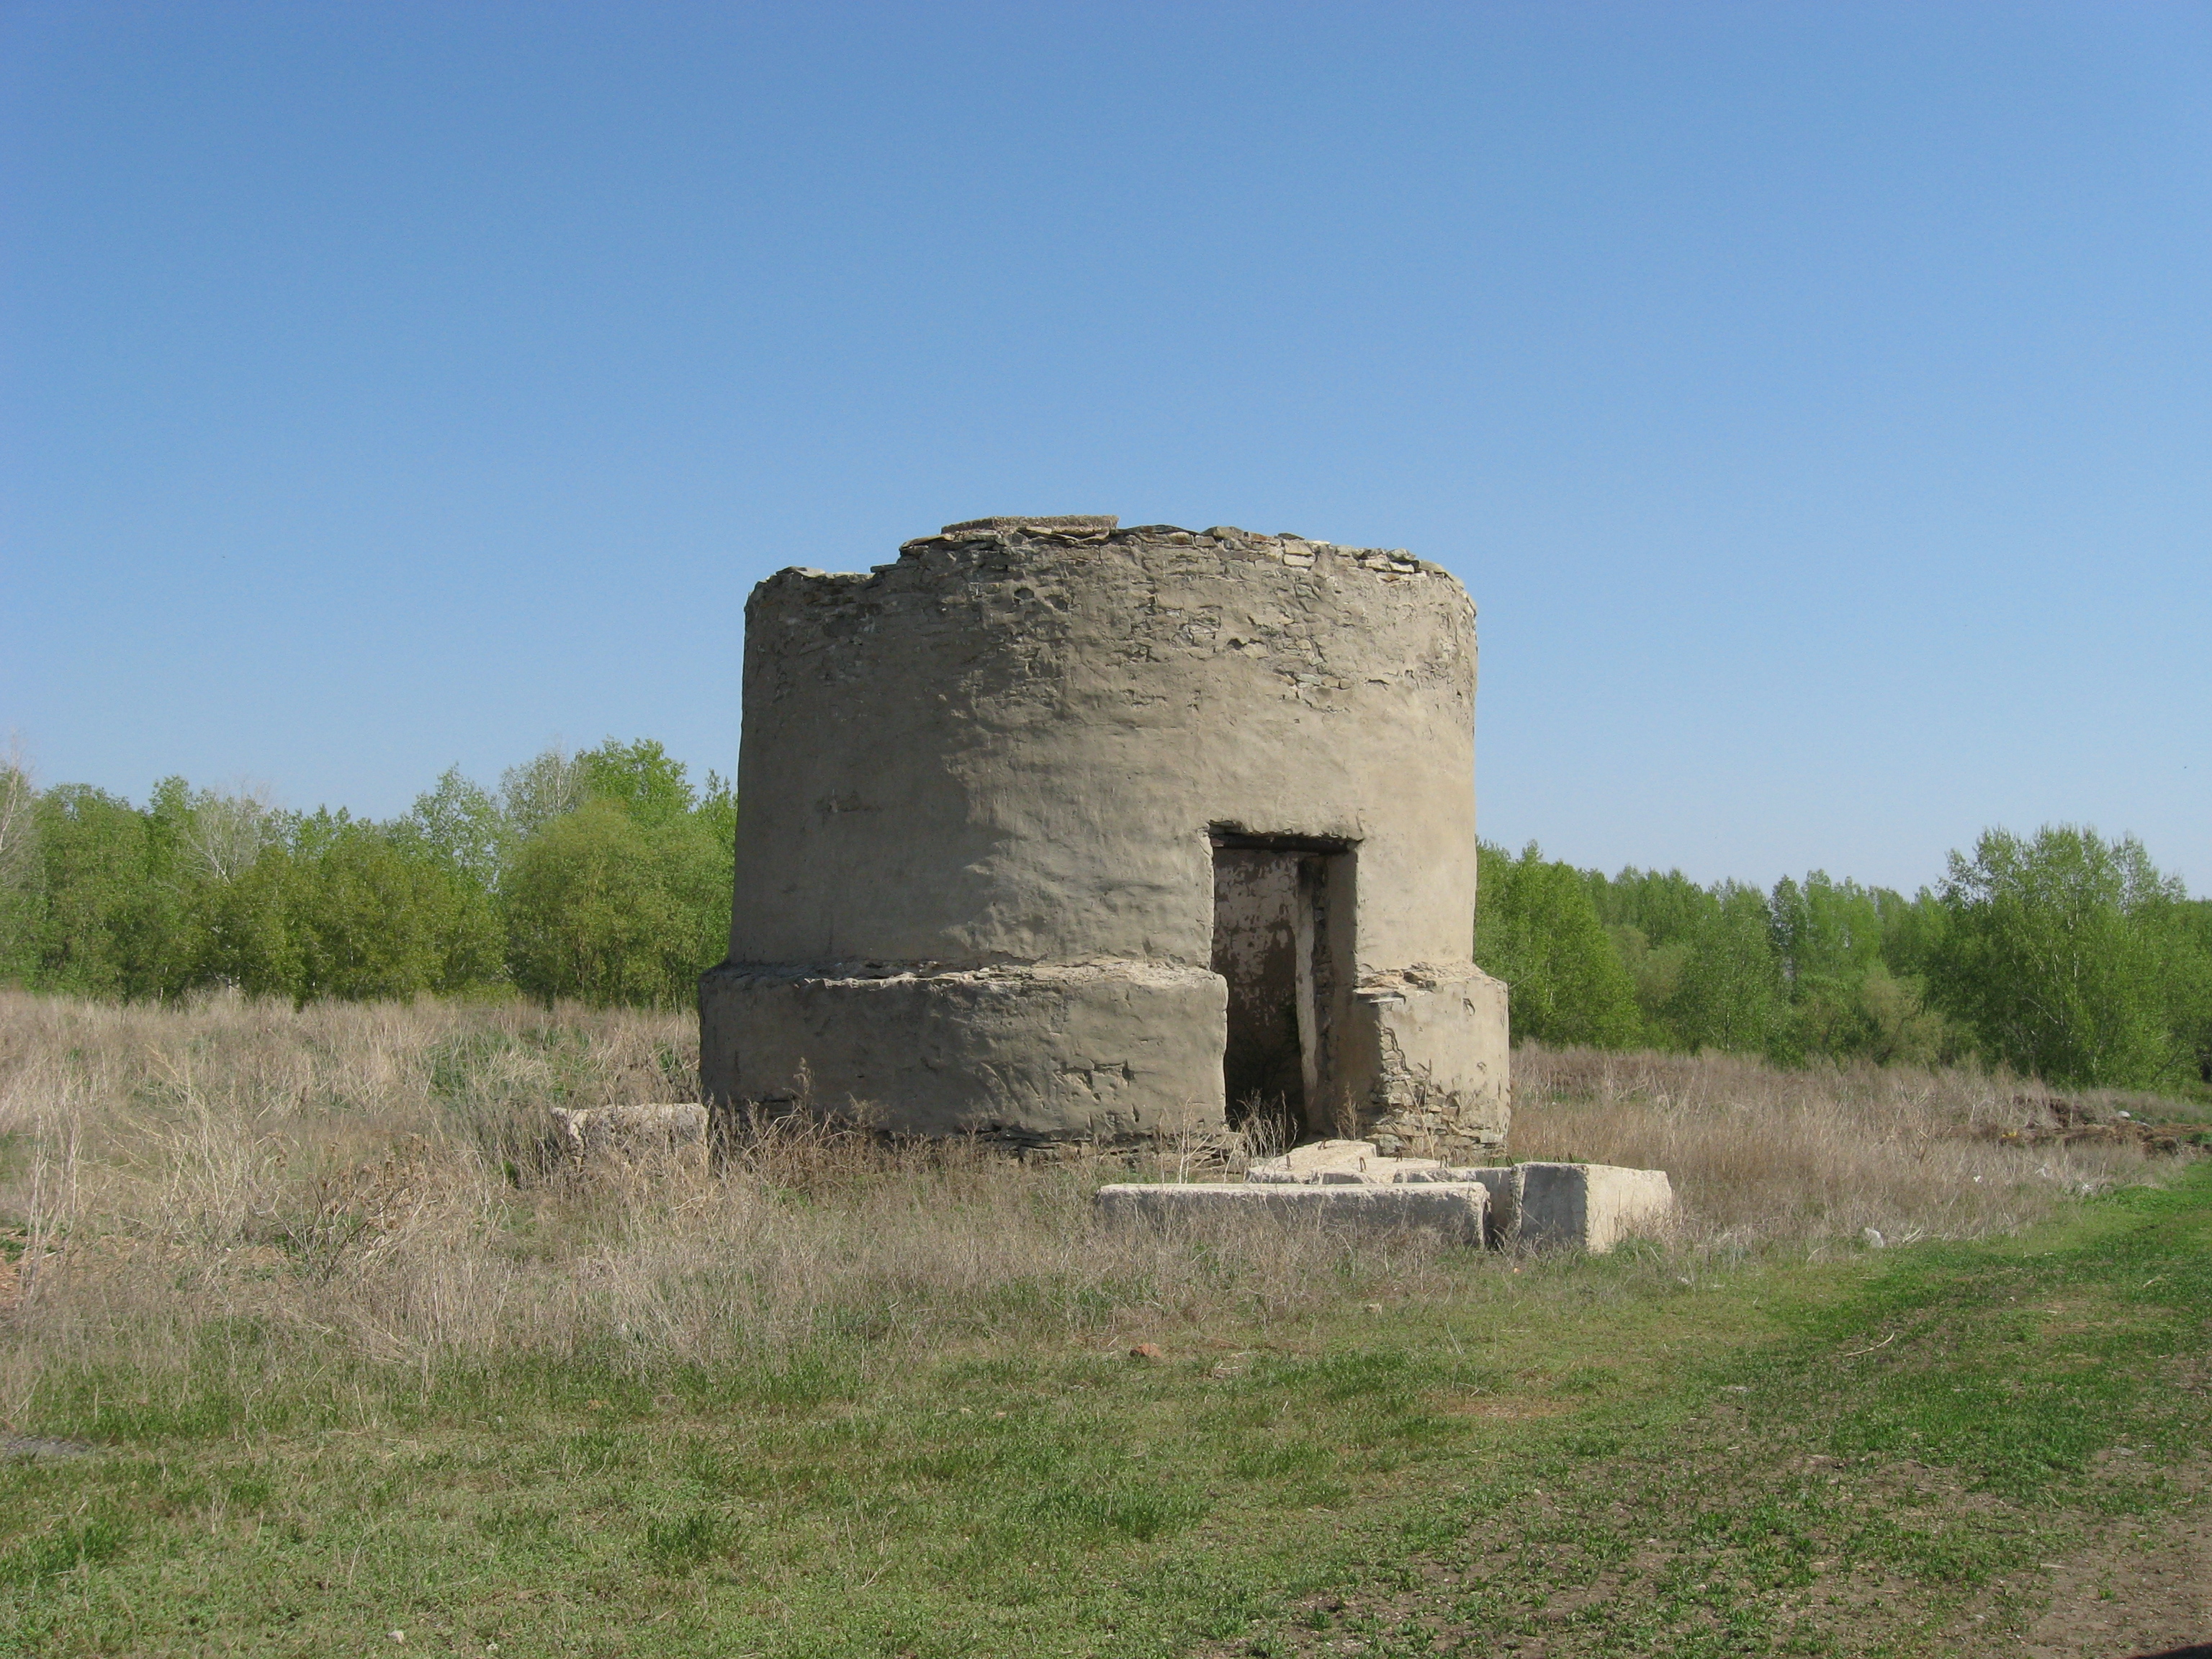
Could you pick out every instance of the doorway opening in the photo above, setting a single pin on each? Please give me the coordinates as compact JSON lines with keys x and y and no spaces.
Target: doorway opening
{"x":1281,"y":906}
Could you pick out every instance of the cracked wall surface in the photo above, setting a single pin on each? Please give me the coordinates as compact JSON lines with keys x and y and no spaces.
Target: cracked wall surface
{"x":981,"y":790}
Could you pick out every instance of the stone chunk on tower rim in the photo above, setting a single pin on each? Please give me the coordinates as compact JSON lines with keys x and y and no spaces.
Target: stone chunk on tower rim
{"x":1061,"y":522}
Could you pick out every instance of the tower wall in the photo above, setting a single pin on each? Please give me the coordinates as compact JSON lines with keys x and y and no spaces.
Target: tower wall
{"x":981,"y":793}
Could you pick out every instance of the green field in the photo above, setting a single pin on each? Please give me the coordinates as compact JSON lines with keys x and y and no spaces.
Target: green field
{"x":1902,"y":1452}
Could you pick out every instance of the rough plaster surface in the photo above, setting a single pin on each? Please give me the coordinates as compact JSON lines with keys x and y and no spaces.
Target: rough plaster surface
{"x":1009,"y":1052}
{"x":1454,"y":1209}
{"x":1435,"y":1047}
{"x":984,"y":790}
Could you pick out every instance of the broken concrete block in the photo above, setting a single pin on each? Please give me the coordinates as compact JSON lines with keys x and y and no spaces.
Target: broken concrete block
{"x":676,"y":1130}
{"x":1436,"y":1049}
{"x":1455,"y":1209}
{"x":1350,"y":1162}
{"x":1584,"y":1206}
{"x":1320,"y":1161}
{"x":1502,"y":1183}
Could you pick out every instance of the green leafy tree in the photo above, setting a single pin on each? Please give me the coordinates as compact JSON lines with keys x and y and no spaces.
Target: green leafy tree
{"x":249,"y":936}
{"x":367,"y":913}
{"x":1654,"y":919}
{"x":643,"y":778}
{"x":1896,"y":1025}
{"x":1910,"y":930}
{"x":2191,"y":989}
{"x":102,"y":898}
{"x":1537,"y":929}
{"x":1656,"y":973}
{"x":1731,"y":994}
{"x":691,"y":837}
{"x":22,"y":897}
{"x":541,"y":789}
{"x":120,"y":899}
{"x":219,"y":834}
{"x":1844,"y":1000}
{"x":1665,"y":907}
{"x":464,"y":825}
{"x":2064,"y":955}
{"x":614,"y":871}
{"x":1826,"y":931}
{"x":717,"y":812}
{"x":606,"y":909}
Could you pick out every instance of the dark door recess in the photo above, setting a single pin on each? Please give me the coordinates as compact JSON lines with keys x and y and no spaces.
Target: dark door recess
{"x":1274,"y":941}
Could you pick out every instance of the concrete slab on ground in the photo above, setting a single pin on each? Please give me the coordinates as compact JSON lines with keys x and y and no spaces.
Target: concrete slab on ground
{"x":1456,"y":1209}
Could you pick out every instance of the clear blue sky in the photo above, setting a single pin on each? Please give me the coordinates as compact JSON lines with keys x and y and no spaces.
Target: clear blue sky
{"x":1816,"y":399}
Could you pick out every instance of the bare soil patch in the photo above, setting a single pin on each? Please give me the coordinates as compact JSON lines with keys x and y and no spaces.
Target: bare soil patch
{"x":2145,"y":1588}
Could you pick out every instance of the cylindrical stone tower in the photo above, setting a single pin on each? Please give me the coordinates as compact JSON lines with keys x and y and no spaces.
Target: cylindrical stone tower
{"x":1056,"y":831}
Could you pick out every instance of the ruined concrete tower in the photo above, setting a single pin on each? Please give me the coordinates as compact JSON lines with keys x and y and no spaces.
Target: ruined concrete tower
{"x":1056,"y":831}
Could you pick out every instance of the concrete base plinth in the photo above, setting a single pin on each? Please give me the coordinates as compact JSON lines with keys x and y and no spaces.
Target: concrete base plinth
{"x":1584,"y":1207}
{"x":1457,"y":1210}
{"x":1101,"y":1052}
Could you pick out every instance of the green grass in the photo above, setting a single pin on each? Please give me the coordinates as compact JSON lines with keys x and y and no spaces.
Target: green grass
{"x":1618,"y":1457}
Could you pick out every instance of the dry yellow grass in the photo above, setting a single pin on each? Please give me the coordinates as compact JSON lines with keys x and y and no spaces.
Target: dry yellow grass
{"x":372,"y":1183}
{"x":375,"y":1183}
{"x":1760,"y":1156}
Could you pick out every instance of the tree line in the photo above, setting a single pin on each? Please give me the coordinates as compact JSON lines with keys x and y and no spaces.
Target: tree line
{"x":605,"y":876}
{"x":2061,"y":955}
